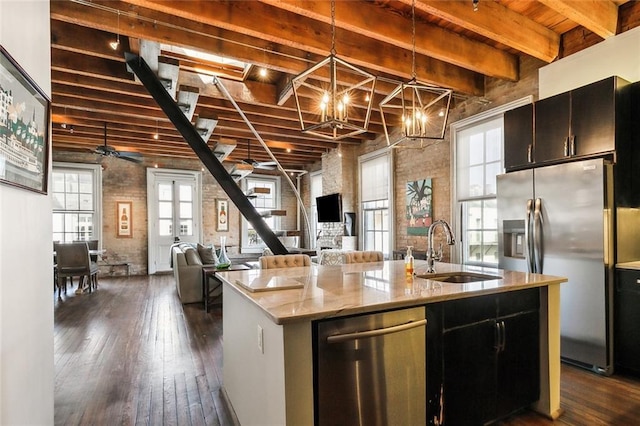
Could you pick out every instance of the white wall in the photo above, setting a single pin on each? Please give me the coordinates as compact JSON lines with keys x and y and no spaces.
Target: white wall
{"x":619,"y":55}
{"x":26,"y":261}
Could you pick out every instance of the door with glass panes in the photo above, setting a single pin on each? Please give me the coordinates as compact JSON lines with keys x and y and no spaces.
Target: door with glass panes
{"x":174,"y":215}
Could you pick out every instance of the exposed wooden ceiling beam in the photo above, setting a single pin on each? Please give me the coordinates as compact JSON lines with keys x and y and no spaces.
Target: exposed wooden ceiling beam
{"x":601,"y":17}
{"x":431,"y":40}
{"x":285,"y":28}
{"x":499,"y":23}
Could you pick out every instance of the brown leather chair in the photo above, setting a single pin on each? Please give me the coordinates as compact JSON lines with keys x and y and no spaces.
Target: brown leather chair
{"x":73,"y":261}
{"x":284,"y":261}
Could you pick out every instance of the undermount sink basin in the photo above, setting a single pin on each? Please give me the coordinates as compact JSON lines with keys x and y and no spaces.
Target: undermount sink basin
{"x":458,"y":277}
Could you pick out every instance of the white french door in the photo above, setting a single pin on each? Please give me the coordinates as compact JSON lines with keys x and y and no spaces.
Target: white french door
{"x":173,"y":213}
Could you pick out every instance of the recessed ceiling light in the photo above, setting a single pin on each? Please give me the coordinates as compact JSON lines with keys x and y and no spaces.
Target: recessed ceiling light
{"x":263,"y":72}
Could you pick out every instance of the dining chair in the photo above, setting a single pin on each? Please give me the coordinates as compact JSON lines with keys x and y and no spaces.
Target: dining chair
{"x":284,"y":261}
{"x":73,"y":261}
{"x":93,"y":245}
{"x":363,"y":256}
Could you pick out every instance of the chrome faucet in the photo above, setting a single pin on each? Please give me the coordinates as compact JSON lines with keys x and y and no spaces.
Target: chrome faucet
{"x":432,"y":255}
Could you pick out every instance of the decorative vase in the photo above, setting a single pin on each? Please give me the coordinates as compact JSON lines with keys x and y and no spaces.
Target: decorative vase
{"x":223,"y":259}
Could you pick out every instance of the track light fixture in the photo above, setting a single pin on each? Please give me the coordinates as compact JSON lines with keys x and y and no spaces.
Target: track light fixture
{"x":115,"y":44}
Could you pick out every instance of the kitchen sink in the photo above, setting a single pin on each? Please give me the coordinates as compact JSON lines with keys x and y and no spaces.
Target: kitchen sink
{"x":458,"y":277}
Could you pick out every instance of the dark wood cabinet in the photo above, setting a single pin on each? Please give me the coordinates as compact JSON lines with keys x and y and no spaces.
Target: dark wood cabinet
{"x":626,"y":321}
{"x":581,"y":123}
{"x":593,"y":117}
{"x":552,"y":123}
{"x":518,"y":138}
{"x":491,"y":361}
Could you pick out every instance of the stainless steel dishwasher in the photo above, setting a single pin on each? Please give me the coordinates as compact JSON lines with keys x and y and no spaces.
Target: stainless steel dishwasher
{"x":370,"y":369}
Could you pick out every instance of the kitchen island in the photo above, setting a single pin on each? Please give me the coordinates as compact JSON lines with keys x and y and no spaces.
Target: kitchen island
{"x":268,"y":318}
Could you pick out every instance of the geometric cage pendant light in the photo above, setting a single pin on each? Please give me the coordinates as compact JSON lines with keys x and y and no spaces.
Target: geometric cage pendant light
{"x":333,"y":97}
{"x":420,"y":110}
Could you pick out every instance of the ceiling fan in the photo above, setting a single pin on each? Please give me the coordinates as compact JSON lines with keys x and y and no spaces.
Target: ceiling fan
{"x":109,"y":151}
{"x":267,"y":165}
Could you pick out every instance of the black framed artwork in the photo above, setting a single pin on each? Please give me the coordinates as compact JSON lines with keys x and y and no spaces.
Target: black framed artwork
{"x":24,"y":128}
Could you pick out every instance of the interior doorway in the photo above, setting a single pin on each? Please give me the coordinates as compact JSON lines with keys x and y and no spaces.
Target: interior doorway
{"x":174,"y":200}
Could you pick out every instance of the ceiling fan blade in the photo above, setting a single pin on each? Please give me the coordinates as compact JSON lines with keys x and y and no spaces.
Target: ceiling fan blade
{"x":134,"y":157}
{"x":267,"y":165}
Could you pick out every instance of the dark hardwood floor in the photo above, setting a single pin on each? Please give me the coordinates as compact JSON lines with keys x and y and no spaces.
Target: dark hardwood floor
{"x":131,"y":354}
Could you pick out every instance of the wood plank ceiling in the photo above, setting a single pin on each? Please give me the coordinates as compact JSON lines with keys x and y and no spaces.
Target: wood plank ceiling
{"x":456,"y":47}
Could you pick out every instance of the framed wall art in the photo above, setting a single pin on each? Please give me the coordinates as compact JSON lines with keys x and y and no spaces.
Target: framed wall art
{"x":418,"y":203}
{"x":222,"y":207}
{"x":24,"y":128}
{"x":124,"y":219}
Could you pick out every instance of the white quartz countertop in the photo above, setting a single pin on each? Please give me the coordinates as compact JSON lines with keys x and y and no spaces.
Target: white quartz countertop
{"x":332,"y":291}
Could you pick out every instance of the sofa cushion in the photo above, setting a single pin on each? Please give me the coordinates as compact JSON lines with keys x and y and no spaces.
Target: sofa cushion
{"x":332,"y":257}
{"x":192,"y":256}
{"x":207,"y":255}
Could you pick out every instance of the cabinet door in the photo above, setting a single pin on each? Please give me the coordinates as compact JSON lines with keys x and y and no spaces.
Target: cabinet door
{"x":469,"y":374}
{"x":593,"y":121}
{"x":518,"y":137}
{"x":551,"y":127}
{"x":627,"y":318}
{"x":518,"y":363}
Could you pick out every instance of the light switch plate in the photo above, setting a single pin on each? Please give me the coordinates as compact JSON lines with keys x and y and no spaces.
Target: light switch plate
{"x":260,"y":339}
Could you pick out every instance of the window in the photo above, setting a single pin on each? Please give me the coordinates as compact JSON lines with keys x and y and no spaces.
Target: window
{"x":375,"y":194}
{"x":478,"y":144}
{"x":251,"y":241}
{"x":77,"y":202}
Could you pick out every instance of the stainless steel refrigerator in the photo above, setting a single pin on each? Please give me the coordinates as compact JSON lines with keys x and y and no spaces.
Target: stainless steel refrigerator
{"x":558,"y":220}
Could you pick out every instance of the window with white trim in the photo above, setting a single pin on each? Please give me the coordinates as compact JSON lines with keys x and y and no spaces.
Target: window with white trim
{"x":251,"y":241}
{"x":479,"y":158}
{"x":375,"y":201}
{"x":77,"y":201}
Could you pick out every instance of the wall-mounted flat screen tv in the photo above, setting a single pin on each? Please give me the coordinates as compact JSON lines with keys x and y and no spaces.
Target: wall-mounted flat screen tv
{"x":329,"y":208}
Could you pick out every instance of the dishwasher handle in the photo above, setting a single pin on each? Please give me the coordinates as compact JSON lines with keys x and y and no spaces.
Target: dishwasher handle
{"x":339,"y":338}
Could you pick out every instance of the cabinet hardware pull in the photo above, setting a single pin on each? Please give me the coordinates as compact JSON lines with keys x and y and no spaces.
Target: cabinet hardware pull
{"x":501,"y":338}
{"x":338,"y":338}
{"x":566,"y":147}
{"x":572,"y":145}
{"x":529,"y":153}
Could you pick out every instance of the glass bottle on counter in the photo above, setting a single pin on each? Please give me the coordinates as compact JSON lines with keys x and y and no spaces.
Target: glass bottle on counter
{"x":408,"y":261}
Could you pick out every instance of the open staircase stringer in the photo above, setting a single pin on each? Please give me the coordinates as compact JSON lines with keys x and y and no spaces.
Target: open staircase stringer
{"x":182,"y":124}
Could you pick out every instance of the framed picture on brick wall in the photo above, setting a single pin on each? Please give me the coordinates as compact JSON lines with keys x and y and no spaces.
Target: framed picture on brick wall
{"x":222,"y":207}
{"x":419,"y":206}
{"x":124,"y":219}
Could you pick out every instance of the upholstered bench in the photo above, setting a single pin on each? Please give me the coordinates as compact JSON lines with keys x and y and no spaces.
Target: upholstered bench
{"x":341,"y":257}
{"x":363,"y":256}
{"x":284,"y":261}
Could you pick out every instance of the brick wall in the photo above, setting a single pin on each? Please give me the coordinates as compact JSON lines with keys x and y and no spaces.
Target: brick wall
{"x":433,"y":161}
{"x":127,"y":181}
{"x":124,"y":181}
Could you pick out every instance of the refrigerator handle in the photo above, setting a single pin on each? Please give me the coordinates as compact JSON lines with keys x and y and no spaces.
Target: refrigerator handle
{"x":537,"y":236}
{"x":528,"y":242}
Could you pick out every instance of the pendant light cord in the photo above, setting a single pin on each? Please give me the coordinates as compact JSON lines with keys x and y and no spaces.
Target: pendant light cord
{"x":413,"y":39}
{"x":333,"y":27}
